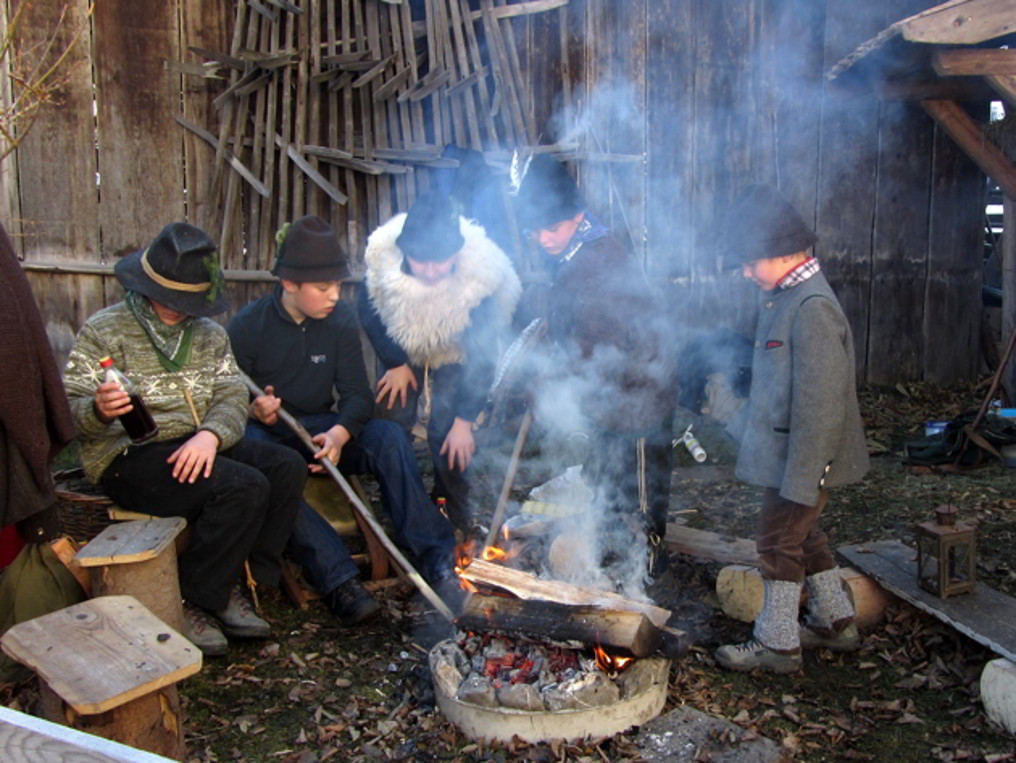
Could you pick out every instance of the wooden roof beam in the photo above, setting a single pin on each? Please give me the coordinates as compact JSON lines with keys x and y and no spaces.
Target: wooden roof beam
{"x":954,"y":62}
{"x":957,"y":22}
{"x":930,"y":87}
{"x":964,"y":22}
{"x":975,"y":144}
{"x":1004,"y":85}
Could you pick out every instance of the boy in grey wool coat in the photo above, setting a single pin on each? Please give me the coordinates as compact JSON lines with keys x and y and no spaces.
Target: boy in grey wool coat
{"x":800,"y":434}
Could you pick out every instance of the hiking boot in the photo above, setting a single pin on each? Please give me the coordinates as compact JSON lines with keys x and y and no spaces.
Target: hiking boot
{"x":239,"y":618}
{"x":352,"y":603}
{"x":200,"y":629}
{"x":753,"y":654}
{"x":847,"y":640}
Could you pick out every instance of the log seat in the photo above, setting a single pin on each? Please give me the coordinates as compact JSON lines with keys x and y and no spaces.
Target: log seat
{"x":109,"y":667}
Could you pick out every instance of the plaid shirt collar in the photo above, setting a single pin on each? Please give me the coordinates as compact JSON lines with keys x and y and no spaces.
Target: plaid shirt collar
{"x":800,"y":274}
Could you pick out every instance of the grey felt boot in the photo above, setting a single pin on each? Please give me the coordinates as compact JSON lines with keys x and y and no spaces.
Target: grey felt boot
{"x":775,"y":646}
{"x":829,"y":622}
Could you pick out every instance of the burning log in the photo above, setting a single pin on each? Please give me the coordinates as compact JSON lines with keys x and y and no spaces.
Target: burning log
{"x":527,"y":586}
{"x":614,"y":628}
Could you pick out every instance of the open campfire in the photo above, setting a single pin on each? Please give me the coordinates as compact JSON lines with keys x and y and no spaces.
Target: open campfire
{"x":542,"y":650}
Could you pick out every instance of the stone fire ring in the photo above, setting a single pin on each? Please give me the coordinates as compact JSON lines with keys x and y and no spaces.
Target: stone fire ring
{"x":646,"y":677}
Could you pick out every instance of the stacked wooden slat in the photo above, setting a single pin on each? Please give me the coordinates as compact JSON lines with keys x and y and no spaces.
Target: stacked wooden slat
{"x":342,"y":108}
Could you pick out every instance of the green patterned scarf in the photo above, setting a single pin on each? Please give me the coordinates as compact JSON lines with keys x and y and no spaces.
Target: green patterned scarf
{"x":172,"y":343}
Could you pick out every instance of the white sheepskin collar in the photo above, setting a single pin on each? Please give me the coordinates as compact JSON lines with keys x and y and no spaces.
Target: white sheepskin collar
{"x":427,"y":320}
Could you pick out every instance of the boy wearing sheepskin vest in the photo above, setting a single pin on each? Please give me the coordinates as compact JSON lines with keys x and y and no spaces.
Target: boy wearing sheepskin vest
{"x":438,"y":293}
{"x":301,"y":344}
{"x":613,"y":359}
{"x":801,"y":433}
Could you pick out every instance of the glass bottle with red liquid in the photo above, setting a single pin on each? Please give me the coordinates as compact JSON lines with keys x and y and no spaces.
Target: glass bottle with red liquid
{"x":138,"y":422}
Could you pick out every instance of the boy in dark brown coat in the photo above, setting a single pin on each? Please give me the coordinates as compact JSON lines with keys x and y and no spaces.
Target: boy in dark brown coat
{"x":612,"y":360}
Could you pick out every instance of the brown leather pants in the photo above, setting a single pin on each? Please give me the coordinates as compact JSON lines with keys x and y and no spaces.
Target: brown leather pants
{"x":790,"y":544}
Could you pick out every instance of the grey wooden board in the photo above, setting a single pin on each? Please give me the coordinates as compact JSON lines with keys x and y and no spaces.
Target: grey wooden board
{"x":986,"y":616}
{"x":27,"y":739}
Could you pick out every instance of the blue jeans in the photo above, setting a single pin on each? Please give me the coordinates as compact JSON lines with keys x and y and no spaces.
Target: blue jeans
{"x":383,"y":450}
{"x":452,"y":484}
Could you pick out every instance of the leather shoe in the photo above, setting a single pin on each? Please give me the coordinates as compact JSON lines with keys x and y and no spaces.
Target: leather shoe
{"x":200,"y":629}
{"x":351,"y":603}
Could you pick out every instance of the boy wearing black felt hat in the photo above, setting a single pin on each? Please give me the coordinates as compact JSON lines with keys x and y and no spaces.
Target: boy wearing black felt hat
{"x":240,"y":498}
{"x":800,"y":434}
{"x":438,"y":294}
{"x":301,"y":344}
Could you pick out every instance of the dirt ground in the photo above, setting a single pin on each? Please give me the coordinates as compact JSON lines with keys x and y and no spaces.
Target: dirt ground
{"x":317,"y":692}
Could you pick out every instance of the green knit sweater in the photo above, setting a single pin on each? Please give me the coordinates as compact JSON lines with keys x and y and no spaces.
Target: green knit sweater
{"x":219,"y":394}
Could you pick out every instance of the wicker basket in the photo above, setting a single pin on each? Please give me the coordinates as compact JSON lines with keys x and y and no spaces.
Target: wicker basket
{"x":82,"y":515}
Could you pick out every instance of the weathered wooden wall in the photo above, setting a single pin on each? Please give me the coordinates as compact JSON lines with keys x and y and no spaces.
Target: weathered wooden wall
{"x":676,"y":104}
{"x":728,"y":92}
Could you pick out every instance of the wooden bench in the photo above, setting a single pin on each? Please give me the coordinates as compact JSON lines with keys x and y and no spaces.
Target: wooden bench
{"x":108,"y":666}
{"x":138,"y":558}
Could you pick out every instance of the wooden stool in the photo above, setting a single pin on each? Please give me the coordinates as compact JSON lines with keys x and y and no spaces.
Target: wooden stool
{"x":324,"y":496}
{"x":108,"y":666}
{"x":138,"y":558}
{"x":122,"y":515}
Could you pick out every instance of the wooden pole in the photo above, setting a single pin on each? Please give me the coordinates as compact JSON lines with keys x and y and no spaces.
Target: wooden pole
{"x":360,"y":509}
{"x":509,"y":478}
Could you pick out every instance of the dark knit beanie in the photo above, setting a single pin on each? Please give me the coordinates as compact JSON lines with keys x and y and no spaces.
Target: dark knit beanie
{"x":308,"y":251}
{"x":431,"y":231}
{"x":547,"y":194}
{"x":765,"y":225}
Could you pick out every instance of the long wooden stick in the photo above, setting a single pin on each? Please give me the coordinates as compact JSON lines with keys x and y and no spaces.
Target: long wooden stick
{"x":362,"y":510}
{"x":509,"y":478}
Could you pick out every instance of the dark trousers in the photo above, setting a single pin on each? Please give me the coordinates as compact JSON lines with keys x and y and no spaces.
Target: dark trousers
{"x":790,"y":544}
{"x":244,"y":510}
{"x":383,"y":450}
{"x":631,"y":477}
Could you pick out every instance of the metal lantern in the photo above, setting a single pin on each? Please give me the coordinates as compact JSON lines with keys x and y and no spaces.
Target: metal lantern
{"x":946,"y":554}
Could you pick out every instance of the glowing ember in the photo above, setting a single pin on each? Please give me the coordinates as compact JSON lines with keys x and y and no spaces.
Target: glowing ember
{"x":611,"y":665}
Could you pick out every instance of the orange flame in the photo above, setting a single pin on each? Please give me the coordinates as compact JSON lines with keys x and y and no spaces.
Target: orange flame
{"x":492,"y":554}
{"x":609,"y":663}
{"x":463,"y":558}
{"x":464,"y":553}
